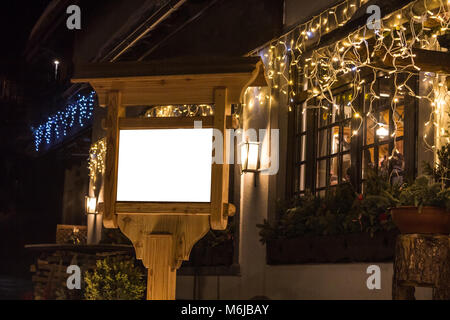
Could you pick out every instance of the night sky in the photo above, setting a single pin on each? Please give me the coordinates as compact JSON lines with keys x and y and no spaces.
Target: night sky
{"x":17,"y":19}
{"x":17,"y":175}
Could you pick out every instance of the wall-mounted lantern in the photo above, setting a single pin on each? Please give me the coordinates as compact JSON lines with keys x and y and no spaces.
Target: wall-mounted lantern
{"x":250,"y":157}
{"x":91,"y":205}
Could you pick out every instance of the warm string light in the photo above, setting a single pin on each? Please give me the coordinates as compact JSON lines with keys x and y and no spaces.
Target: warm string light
{"x":193,"y":110}
{"x":57,"y":125}
{"x":400,"y":33}
{"x":438,"y":123}
{"x":200,"y":110}
{"x":295,"y":43}
{"x":97,"y":157}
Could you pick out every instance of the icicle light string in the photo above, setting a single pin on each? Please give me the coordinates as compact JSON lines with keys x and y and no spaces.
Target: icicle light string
{"x":393,"y":41}
{"x":57,"y":125}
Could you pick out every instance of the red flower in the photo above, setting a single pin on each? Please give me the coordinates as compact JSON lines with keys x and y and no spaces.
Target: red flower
{"x":383,"y":217}
{"x":360,"y":196}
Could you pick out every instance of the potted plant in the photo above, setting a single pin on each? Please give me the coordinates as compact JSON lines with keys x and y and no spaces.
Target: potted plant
{"x":423,"y":207}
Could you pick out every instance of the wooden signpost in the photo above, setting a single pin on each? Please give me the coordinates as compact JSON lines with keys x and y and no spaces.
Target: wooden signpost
{"x":163,"y":233}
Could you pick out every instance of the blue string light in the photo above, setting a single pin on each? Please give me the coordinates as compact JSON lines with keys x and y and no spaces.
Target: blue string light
{"x":58,"y":125}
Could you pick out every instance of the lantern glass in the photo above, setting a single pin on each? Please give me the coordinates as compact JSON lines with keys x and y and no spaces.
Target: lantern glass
{"x":250,"y":156}
{"x":91,"y":205}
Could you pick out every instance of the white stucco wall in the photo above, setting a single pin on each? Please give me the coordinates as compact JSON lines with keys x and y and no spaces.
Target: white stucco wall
{"x":345,"y":281}
{"x":308,"y":281}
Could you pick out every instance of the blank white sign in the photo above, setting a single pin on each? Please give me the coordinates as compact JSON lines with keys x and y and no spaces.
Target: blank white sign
{"x":165,"y":165}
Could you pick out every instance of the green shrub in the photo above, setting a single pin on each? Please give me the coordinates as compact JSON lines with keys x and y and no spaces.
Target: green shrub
{"x":424,"y":193}
{"x":313,"y":215}
{"x":115,"y":279}
{"x":440,"y":170}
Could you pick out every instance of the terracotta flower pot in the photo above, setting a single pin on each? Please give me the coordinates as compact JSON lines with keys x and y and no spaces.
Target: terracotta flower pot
{"x":429,"y":220}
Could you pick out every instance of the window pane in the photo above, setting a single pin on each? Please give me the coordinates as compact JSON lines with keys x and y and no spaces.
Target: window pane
{"x":399,"y":146}
{"x":346,"y":167}
{"x":385,"y":84}
{"x":398,"y":164}
{"x":322,"y":146}
{"x":323,"y":117}
{"x":398,"y":118}
{"x":321,"y":173}
{"x":302,"y":177}
{"x":334,"y":171}
{"x":335,"y":140}
{"x":371,"y":126}
{"x":348,"y":111}
{"x":334,"y":116}
{"x":383,"y":156}
{"x":384,"y":121}
{"x":303,"y":148}
{"x":368,"y":161}
{"x":347,"y":130}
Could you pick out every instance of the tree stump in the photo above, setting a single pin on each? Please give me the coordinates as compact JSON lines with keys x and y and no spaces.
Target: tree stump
{"x":421,"y":260}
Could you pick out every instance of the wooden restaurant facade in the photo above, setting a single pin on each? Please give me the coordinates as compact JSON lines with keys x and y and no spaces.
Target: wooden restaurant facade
{"x":334,"y":92}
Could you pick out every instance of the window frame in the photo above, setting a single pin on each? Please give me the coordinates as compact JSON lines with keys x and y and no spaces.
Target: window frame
{"x":357,"y":143}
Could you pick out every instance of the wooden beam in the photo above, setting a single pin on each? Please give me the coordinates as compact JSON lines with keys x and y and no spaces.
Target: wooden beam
{"x":426,"y":60}
{"x":166,"y":67}
{"x":159,"y":208}
{"x":115,"y":111}
{"x":171,"y":123}
{"x":220,"y":171}
{"x":360,"y":17}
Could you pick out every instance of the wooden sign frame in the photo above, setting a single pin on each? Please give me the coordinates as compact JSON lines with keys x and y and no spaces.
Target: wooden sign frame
{"x":169,"y":228}
{"x":218,"y":197}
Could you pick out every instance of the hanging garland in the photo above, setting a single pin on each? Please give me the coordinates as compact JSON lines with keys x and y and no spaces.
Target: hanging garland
{"x":97,"y":157}
{"x":192,"y":110}
{"x":395,"y":41}
{"x":58,"y":125}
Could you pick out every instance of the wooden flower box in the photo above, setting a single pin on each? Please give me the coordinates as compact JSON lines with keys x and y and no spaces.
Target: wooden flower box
{"x":332,"y":249}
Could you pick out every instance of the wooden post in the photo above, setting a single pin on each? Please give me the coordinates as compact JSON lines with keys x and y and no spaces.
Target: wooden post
{"x":421,"y":260}
{"x":220,"y":172}
{"x":115,"y":111}
{"x":158,"y":258}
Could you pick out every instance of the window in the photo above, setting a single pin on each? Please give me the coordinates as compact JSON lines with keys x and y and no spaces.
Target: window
{"x":338,"y":144}
{"x":383,"y":132}
{"x":334,"y":131}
